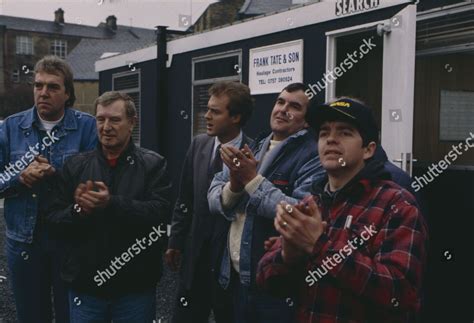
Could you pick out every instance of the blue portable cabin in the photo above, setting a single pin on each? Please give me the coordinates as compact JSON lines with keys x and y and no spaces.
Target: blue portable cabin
{"x":418,"y":78}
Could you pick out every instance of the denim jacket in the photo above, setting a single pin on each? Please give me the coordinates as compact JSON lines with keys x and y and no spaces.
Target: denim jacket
{"x":289,"y":170}
{"x":20,"y":141}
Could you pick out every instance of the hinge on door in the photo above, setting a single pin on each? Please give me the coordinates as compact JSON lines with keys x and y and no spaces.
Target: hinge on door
{"x":384,"y":28}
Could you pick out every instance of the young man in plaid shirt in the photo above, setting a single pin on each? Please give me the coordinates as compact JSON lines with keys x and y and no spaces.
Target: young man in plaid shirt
{"x":355,"y":251}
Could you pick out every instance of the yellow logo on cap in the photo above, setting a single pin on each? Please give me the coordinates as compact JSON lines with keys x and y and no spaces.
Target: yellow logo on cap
{"x":340,"y":104}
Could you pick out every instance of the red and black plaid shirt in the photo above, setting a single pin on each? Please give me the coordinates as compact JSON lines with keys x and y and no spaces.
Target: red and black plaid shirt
{"x":380,"y":279}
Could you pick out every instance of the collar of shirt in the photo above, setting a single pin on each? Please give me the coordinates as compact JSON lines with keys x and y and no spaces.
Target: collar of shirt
{"x":46,"y":125}
{"x":236,"y":142}
{"x":328,"y":191}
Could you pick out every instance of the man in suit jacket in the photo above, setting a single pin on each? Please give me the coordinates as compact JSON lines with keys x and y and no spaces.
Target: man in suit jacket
{"x":197,"y":238}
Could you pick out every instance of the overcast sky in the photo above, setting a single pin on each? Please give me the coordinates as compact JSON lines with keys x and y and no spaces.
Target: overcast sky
{"x":138,"y":13}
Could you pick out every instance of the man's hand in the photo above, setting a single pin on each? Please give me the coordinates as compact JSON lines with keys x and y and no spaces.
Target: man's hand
{"x":290,"y":253}
{"x":81,"y":189}
{"x":236,"y":184}
{"x":173,"y":259}
{"x":36,"y":171}
{"x":90,"y":199}
{"x":268,"y":244}
{"x":242,"y":162}
{"x":95,"y":199}
{"x":300,"y":226}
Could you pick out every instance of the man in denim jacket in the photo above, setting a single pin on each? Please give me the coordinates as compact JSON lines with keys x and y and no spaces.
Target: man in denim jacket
{"x":281,"y":166}
{"x":33,"y":146}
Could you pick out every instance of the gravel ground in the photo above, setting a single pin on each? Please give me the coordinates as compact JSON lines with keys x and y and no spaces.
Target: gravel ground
{"x":165,"y":296}
{"x":7,"y":307}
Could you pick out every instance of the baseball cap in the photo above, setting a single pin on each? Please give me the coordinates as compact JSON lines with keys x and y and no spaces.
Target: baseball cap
{"x":347,"y":110}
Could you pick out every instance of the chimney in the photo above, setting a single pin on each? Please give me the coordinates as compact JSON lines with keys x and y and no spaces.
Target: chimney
{"x":111,"y":23}
{"x":59,"y":16}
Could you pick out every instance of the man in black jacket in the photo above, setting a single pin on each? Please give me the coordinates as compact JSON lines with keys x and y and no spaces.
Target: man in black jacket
{"x":197,"y":236}
{"x":112,"y":208}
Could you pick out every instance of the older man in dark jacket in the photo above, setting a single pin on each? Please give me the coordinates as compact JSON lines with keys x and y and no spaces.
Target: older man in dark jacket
{"x":112,"y":206}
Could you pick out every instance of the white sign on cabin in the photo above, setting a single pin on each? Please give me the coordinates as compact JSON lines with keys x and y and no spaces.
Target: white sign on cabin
{"x":273,"y":67}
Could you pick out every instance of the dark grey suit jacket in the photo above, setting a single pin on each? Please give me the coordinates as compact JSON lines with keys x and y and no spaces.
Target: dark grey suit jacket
{"x":191,"y":217}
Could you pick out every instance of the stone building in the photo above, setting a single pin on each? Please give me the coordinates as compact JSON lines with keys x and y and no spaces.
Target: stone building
{"x":24,"y":41}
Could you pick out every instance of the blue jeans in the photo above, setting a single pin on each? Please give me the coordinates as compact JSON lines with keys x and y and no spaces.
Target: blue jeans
{"x":135,"y":307}
{"x":34,"y":271}
{"x":257,"y":307}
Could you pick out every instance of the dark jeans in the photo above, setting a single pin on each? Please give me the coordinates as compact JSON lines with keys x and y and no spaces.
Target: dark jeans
{"x":134,"y":307}
{"x":256,"y":307}
{"x":195,"y":305}
{"x":34,"y":271}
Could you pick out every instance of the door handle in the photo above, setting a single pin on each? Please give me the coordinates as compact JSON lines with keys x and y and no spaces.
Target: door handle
{"x":406,"y":162}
